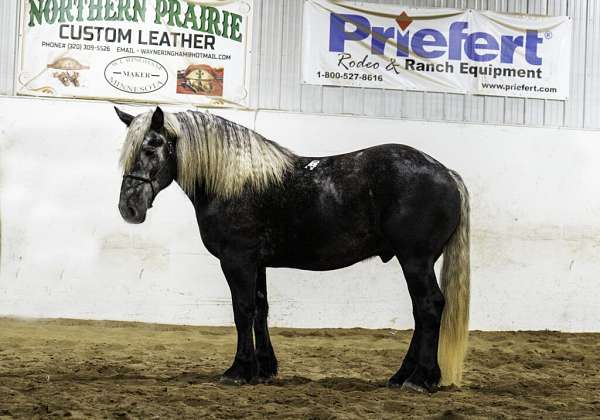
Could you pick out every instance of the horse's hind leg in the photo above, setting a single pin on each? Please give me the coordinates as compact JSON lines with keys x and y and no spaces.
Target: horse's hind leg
{"x":420,"y":370}
{"x":267,"y":363}
{"x":409,"y":363}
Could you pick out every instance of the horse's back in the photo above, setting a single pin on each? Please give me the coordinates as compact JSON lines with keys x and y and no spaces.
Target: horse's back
{"x":344,"y":208}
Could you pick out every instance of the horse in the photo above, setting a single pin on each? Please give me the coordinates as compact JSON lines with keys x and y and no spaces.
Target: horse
{"x":259,"y":205}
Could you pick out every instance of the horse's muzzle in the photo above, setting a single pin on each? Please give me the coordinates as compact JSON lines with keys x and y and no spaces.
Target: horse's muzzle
{"x":131,"y":214}
{"x":135,"y":200}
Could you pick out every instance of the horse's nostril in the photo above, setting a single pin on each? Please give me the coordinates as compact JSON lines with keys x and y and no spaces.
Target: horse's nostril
{"x":131,"y":212}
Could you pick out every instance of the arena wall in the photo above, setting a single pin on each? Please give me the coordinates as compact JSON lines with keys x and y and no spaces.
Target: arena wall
{"x":66,"y":252}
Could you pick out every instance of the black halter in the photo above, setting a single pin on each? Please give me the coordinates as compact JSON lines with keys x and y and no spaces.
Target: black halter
{"x":151,"y":181}
{"x":144,"y":180}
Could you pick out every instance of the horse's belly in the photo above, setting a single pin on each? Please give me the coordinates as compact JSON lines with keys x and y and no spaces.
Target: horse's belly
{"x":321,"y":252}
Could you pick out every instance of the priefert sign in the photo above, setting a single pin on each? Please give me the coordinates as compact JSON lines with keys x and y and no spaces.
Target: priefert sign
{"x":465,"y":51}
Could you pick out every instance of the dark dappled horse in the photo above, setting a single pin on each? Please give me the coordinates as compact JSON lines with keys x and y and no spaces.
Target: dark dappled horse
{"x":259,"y":205}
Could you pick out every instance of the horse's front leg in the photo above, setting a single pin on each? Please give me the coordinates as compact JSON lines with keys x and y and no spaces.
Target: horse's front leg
{"x":241,"y":278}
{"x":267,"y":362}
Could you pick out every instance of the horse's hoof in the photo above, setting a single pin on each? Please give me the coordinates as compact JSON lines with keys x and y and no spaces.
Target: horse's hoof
{"x":409,"y":386}
{"x":393,"y":384}
{"x":226,"y":380}
{"x":266,"y":379}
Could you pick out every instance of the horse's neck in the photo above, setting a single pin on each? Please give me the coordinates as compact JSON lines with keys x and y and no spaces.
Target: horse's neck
{"x":201,"y":199}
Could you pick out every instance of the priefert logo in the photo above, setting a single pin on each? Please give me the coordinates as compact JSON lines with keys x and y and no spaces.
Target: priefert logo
{"x":430,"y":43}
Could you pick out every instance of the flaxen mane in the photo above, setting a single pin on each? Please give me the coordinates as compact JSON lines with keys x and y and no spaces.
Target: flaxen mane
{"x":219,"y":154}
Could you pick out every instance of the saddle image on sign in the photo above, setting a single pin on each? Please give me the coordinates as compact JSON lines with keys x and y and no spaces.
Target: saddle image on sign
{"x":200,"y":79}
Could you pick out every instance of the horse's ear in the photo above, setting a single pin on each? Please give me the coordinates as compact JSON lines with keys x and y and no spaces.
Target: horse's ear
{"x":125,"y":117}
{"x":158,"y":119}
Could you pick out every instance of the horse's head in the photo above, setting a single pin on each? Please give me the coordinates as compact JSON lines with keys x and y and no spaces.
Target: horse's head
{"x":150,"y":166}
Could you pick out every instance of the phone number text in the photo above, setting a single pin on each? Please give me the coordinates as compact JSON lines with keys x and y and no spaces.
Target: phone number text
{"x":337,"y":75}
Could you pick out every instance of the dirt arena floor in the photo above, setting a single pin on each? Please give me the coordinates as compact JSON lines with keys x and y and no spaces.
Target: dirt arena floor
{"x":84,"y":369}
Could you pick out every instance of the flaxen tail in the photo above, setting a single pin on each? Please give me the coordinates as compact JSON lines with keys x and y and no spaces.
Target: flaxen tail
{"x":456,"y":273}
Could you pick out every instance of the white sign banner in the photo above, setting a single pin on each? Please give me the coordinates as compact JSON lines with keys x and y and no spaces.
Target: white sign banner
{"x":168,"y":51}
{"x":445,"y":50}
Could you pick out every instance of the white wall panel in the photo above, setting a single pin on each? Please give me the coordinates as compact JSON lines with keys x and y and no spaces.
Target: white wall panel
{"x":434,"y":109}
{"x":556,"y":7}
{"x":592,"y":68}
{"x":374,"y":102}
{"x":271,"y":54}
{"x":574,"y":112}
{"x":333,"y":100}
{"x":535,"y":108}
{"x":311,"y":99}
{"x":291,"y":60}
{"x":493,"y":109}
{"x":474,"y":108}
{"x":454,"y":107}
{"x":534,"y":112}
{"x":554,"y":111}
{"x":354,"y":102}
{"x":256,"y":61}
{"x":414,"y":105}
{"x":394,"y":103}
{"x":537,"y":7}
{"x":514,"y":108}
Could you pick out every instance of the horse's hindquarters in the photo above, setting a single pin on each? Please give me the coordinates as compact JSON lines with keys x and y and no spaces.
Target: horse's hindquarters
{"x":335,"y":211}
